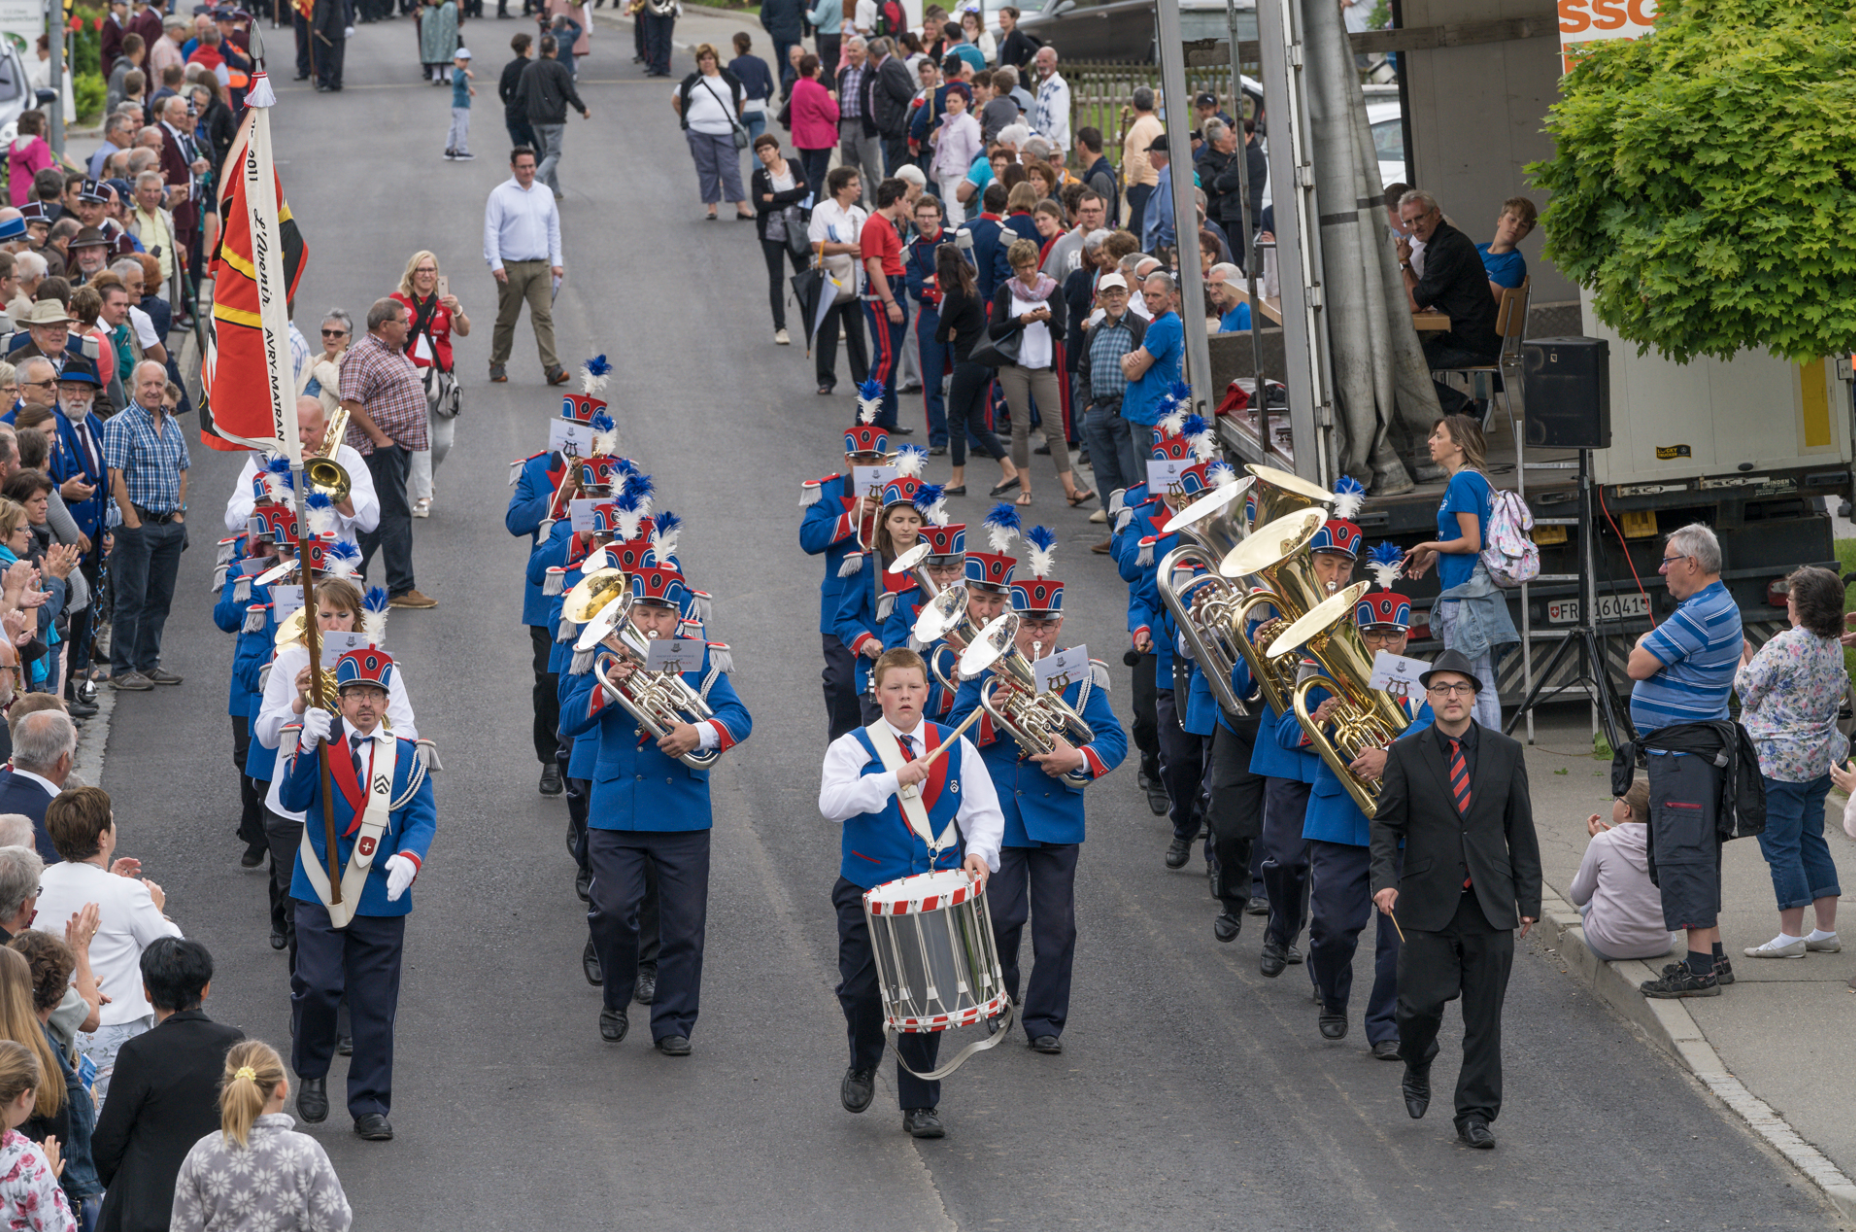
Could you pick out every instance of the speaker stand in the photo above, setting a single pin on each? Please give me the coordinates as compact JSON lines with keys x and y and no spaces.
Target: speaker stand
{"x":1583,"y":639}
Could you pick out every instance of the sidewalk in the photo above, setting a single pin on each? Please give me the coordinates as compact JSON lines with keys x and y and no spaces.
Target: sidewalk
{"x":1775,"y":1045}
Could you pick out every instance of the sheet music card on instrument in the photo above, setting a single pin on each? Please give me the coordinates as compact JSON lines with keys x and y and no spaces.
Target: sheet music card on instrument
{"x":675,"y":654}
{"x":335,"y":645}
{"x":569,"y":439}
{"x":1163,"y":473}
{"x":1057,"y":672}
{"x":868,"y":480}
{"x":580,"y":514}
{"x":1397,"y":675}
{"x":285,"y":600}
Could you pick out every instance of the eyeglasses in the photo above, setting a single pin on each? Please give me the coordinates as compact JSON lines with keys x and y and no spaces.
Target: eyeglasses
{"x":1668,"y":561}
{"x":426,"y":269}
{"x":1452,"y":690}
{"x":38,"y":384}
{"x":334,"y":333}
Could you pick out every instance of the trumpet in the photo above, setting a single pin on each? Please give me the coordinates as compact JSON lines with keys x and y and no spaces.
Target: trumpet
{"x":944,"y":615}
{"x":1366,"y":718}
{"x":1279,"y":494}
{"x":1276,"y":554}
{"x":1213,"y":526}
{"x":1031,"y":718}
{"x":658,"y":700}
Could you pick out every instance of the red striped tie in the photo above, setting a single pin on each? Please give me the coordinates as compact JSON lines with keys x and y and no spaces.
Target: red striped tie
{"x":1459,"y":784}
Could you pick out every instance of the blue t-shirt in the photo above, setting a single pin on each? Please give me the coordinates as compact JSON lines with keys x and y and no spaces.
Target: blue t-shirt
{"x":979,"y":171}
{"x":975,"y":58}
{"x":1699,"y":647}
{"x":1506,"y":269}
{"x":1468,"y":493}
{"x":460,"y":89}
{"x":1166,"y":342}
{"x":1236,"y":321}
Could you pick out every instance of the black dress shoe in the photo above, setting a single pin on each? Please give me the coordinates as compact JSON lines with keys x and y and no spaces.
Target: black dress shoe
{"x":589,"y":965}
{"x":253,"y":857}
{"x":1178,"y":852}
{"x":857,"y":1089}
{"x":1227,"y":926}
{"x":1157,"y":799}
{"x":959,"y":489}
{"x":1476,"y":1134}
{"x":278,"y":939}
{"x":1386,"y":1050}
{"x":674,"y":1046}
{"x":583,"y":884}
{"x":1258,"y":905}
{"x":373,"y":1128}
{"x":900,"y":431}
{"x":613,"y":1024}
{"x":80,"y":710}
{"x":551,"y":780}
{"x":344,"y":1045}
{"x":1272,"y":960}
{"x":923,"y":1123}
{"x":644,"y":988}
{"x":1416,"y":1087}
{"x":1293,"y":957}
{"x":312,"y":1100}
{"x":1042,"y":450}
{"x":1048,"y":1044}
{"x":1332,"y":1026}
{"x":936,"y":452}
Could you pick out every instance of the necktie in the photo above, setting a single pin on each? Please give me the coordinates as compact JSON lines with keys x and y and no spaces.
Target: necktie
{"x":908,"y":748}
{"x":354,"y":753}
{"x":1459,"y":784}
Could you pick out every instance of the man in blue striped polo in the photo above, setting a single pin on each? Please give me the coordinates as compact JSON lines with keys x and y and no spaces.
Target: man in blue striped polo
{"x":1684,"y":669}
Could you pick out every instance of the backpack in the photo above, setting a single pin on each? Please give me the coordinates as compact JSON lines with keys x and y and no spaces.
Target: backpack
{"x":891,"y":20}
{"x":1510,"y":553}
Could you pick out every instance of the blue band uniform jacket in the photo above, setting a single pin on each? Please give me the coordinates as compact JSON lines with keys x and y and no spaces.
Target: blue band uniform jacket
{"x":409,"y":831}
{"x":1332,"y":815}
{"x":535,"y":481}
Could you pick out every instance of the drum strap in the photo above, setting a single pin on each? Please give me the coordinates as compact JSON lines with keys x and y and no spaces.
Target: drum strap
{"x":884,"y":741}
{"x":979,"y":1045}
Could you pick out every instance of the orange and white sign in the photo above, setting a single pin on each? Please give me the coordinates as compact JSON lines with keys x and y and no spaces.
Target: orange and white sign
{"x":1584,"y":22}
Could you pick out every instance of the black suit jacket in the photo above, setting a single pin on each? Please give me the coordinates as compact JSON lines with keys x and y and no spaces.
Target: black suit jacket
{"x":1495,"y":845}
{"x":164,"y":1097}
{"x":22,"y":795}
{"x":892,"y":96}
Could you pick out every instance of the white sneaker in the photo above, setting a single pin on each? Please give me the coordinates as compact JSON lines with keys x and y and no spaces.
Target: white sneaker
{"x":1100,"y":515}
{"x":422,"y":509}
{"x":1777,"y":949}
{"x":1827,"y":945}
{"x":780,"y":338}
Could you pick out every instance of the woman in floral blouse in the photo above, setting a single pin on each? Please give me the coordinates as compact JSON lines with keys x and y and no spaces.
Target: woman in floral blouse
{"x":30,"y":1196}
{"x":1790,"y":693}
{"x":257,"y":1172}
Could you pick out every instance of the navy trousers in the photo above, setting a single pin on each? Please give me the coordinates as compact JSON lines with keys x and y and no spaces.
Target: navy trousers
{"x":1039,"y":882}
{"x":361,"y":961}
{"x":622,"y":861}
{"x":936,"y":359}
{"x":545,"y":696}
{"x":863,"y":1006}
{"x":1182,"y":765}
{"x":579,"y":795}
{"x":1142,"y":724}
{"x":657,"y":37}
{"x":1339,"y":901}
{"x":1236,"y":813}
{"x":842,"y":709}
{"x":886,"y":341}
{"x":1285,"y":858}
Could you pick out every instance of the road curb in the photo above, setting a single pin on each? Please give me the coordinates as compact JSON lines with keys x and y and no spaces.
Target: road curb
{"x":1672,"y":1028}
{"x":94,"y":739}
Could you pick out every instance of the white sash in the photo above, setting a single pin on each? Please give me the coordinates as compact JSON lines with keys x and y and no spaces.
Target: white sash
{"x":374,"y":821}
{"x":912,"y":811}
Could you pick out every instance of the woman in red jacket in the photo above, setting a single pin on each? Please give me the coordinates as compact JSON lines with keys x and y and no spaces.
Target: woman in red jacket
{"x":435,"y":318}
{"x":814,"y":116}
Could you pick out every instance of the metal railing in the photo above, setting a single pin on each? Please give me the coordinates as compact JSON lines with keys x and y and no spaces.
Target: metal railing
{"x":1100,"y":94}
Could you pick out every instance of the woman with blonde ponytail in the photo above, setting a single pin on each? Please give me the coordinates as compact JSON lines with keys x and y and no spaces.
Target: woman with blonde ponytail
{"x":257,"y":1171}
{"x":30,"y":1196}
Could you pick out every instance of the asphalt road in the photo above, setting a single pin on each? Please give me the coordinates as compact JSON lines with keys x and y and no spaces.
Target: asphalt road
{"x":1192,"y":1093}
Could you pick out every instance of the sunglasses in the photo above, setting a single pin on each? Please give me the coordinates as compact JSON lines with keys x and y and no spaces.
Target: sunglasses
{"x":334,"y":333}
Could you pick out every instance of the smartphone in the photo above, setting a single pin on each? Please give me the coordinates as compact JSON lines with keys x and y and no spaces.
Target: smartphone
{"x":444,"y":285}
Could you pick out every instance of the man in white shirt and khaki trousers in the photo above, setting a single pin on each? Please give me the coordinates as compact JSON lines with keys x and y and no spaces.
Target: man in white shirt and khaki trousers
{"x":522,"y":246}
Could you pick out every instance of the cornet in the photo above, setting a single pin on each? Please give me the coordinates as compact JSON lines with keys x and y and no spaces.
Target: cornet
{"x":658,"y":700}
{"x":1031,"y":718}
{"x":1366,"y":718}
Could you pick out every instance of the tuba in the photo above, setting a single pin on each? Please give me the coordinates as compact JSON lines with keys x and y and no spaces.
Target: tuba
{"x":656,"y":699}
{"x":321,"y":472}
{"x":1213,"y":526}
{"x":1276,"y":555}
{"x":942,"y":615}
{"x":1367,"y":718}
{"x":1031,"y":718}
{"x":1279,"y":494}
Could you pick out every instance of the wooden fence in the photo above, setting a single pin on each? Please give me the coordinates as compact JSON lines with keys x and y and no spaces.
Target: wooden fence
{"x":1100,"y":94}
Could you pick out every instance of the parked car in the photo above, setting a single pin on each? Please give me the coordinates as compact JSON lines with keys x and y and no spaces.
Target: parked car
{"x":1121,"y":30}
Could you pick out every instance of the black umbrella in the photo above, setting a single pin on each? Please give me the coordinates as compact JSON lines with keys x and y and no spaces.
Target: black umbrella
{"x":809,"y":288}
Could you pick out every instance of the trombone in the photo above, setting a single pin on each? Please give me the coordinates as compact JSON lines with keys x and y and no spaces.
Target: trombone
{"x":1366,"y":718}
{"x":1033,"y":719}
{"x":1276,"y":555}
{"x":658,"y":700}
{"x":1213,"y":527}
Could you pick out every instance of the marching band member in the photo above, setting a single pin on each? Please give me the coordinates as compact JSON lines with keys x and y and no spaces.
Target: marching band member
{"x":251,"y":554}
{"x":544,"y":483}
{"x":836,"y":523}
{"x":1339,"y":852}
{"x":906,"y":504}
{"x":859,"y":788}
{"x":349,"y":953}
{"x":1041,"y":797}
{"x":354,"y":514}
{"x":634,"y":824}
{"x":1123,"y":506}
{"x":1335,"y":548}
{"x":946,"y":567}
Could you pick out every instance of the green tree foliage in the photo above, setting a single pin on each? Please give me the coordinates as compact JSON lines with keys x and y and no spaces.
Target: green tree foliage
{"x":1704,"y":182}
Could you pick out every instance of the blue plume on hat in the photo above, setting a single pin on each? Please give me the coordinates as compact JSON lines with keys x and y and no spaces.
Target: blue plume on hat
{"x":594,"y":374}
{"x":1349,"y":495}
{"x":278,"y":466}
{"x":319,"y":512}
{"x":1002,"y":524}
{"x":625,"y":466}
{"x":375,"y":600}
{"x":1387,"y":563}
{"x":318,"y":500}
{"x":634,"y":501}
{"x":664,"y":528}
{"x":930,"y":501}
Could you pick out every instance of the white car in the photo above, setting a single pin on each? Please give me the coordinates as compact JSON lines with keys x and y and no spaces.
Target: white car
{"x":1388,"y":128}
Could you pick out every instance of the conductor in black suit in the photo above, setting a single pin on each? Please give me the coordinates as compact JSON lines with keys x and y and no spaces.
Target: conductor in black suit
{"x":1456,"y":794}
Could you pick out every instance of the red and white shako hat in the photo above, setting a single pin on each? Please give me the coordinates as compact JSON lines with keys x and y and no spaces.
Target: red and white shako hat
{"x":600,"y":473}
{"x":864,"y":440}
{"x":660,"y":585}
{"x":581,"y":407}
{"x":367,"y":666}
{"x":945,"y":542}
{"x":1384,"y":610}
{"x":1040,"y":594}
{"x":605,"y":519}
{"x":274,"y":522}
{"x":992,"y":571}
{"x":1337,"y":537}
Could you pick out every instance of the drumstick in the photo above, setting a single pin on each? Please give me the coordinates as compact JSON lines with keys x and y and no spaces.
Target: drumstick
{"x":953,"y":738}
{"x":1400,"y":931}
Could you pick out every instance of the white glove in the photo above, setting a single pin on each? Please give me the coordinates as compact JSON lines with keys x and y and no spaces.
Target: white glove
{"x":316,"y":725}
{"x":348,"y":33}
{"x":400,"y":872}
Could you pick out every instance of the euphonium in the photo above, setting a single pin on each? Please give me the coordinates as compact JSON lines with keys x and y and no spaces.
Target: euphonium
{"x":942,"y":615}
{"x":1279,"y":494}
{"x":1212,"y":526}
{"x":591,"y":595}
{"x":1366,"y":718}
{"x":915,"y":561}
{"x":1276,"y":555}
{"x":1031,"y":718}
{"x":656,"y":699}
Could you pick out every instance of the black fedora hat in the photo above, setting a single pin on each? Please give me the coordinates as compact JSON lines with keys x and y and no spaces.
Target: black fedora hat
{"x":1452,"y":661}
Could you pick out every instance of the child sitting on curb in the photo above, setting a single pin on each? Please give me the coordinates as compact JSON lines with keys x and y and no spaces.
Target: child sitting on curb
{"x":1623,"y":911}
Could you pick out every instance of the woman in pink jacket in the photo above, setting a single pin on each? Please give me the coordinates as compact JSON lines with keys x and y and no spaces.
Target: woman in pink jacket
{"x":27,"y":156}
{"x":814,"y":115}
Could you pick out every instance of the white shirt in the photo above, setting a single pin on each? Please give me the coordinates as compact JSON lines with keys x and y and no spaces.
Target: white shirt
{"x":1034,"y":339}
{"x":864,"y":22}
{"x":844,"y":791}
{"x":1050,"y":118}
{"x":275,"y":713}
{"x":360,"y":491}
{"x":129,"y":923}
{"x":833,"y":222}
{"x":711,"y":105}
{"x":144,"y":327}
{"x":521,"y":225}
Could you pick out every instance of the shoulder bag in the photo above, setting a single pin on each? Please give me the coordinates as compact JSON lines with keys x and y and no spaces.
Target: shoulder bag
{"x":998,"y":351}
{"x":441,"y":387}
{"x":735,"y":127}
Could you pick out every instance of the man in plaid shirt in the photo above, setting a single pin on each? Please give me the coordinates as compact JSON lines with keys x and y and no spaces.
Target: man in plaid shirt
{"x":1110,"y":437}
{"x":146,"y":452}
{"x":386,"y":402}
